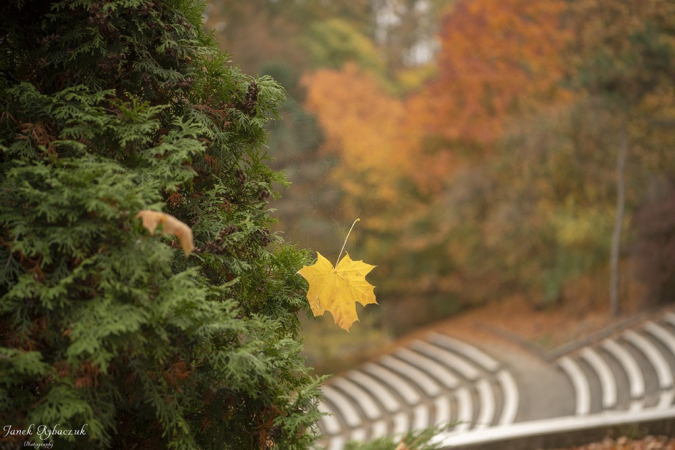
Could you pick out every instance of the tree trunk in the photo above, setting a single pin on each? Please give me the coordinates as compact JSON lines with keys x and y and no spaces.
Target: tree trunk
{"x":618,"y":221}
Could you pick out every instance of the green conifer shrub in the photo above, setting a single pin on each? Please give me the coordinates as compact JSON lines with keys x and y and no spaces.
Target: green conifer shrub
{"x":109,"y":107}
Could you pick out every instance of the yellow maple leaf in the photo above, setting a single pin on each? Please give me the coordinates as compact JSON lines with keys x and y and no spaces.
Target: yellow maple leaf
{"x":170,"y":225}
{"x":337,"y":289}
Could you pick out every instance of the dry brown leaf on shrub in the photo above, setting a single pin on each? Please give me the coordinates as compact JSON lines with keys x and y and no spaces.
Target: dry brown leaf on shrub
{"x":170,"y":225}
{"x":402,"y":445}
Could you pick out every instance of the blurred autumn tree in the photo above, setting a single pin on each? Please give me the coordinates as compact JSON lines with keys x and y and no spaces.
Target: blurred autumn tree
{"x":497,"y":59}
{"x":255,"y":31}
{"x":506,"y":179}
{"x":334,"y":42}
{"x":317,"y":37}
{"x":554,"y":184}
{"x":348,"y":104}
{"x":532,"y":202}
{"x":502,"y":174}
{"x":625,"y":59}
{"x":498,"y":62}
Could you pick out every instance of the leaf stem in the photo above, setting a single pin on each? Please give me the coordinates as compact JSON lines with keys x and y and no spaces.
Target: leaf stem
{"x":343,"y":245}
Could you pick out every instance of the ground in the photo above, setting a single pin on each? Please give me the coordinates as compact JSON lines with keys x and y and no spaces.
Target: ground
{"x":623,"y":443}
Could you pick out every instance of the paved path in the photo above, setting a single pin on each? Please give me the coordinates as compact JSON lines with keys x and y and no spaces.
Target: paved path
{"x":441,"y":379}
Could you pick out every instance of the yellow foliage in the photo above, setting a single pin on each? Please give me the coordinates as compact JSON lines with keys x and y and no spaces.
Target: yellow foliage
{"x":365,"y":127}
{"x":338,"y":289}
{"x":413,"y":78}
{"x":577,"y":226}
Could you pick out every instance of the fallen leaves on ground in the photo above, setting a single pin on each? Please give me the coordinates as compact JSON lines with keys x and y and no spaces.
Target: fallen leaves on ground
{"x":338,"y":289}
{"x":170,"y":225}
{"x":623,"y":443}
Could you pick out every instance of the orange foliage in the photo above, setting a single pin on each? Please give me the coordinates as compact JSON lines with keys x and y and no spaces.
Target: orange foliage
{"x":501,"y":60}
{"x":364,"y":127}
{"x":498,"y":57}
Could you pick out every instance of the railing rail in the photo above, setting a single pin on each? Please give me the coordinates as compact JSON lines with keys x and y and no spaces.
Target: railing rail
{"x":562,"y":431}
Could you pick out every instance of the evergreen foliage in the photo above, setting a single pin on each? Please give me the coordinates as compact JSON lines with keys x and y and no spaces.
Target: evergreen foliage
{"x":107,"y":108}
{"x":424,"y":439}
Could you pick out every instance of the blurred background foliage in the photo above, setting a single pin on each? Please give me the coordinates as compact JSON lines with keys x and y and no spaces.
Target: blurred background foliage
{"x":480,"y":142}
